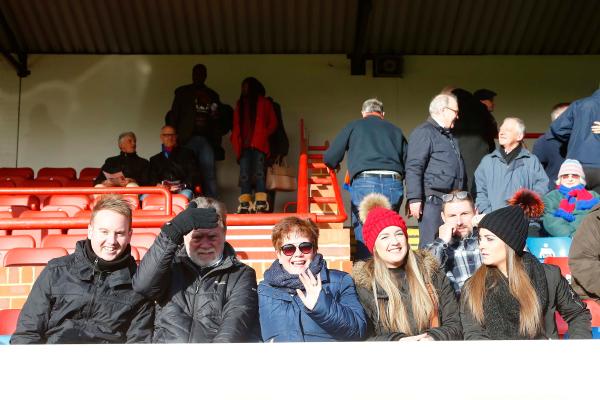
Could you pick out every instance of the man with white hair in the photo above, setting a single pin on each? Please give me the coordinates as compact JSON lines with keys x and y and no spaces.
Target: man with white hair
{"x":376,"y":155}
{"x":434,"y":166}
{"x":508,"y":169}
{"x":203,"y":293}
{"x":126,"y":169}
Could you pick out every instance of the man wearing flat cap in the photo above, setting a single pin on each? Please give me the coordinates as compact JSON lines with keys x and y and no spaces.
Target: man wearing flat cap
{"x":203,"y":293}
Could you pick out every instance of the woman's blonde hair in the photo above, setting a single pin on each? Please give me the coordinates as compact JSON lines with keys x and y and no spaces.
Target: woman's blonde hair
{"x":392,"y":314}
{"x":530,"y":321}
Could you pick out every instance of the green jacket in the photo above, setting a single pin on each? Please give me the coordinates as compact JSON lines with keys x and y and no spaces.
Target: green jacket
{"x":558,"y":226}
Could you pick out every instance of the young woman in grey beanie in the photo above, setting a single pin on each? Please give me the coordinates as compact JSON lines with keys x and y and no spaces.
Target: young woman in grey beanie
{"x":512,"y":295}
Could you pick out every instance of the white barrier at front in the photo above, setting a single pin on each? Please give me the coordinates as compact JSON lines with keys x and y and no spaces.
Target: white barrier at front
{"x":545,"y":370}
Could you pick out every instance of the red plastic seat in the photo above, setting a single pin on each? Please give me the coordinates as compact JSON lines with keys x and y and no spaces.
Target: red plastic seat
{"x":32,"y":257}
{"x":133,"y":199}
{"x":66,"y":172}
{"x":89,"y":173}
{"x":24,"y":172}
{"x":7,"y":183}
{"x":13,"y":242}
{"x":65,"y":241}
{"x":135,"y":254}
{"x":39,"y":234}
{"x":82,"y":183}
{"x":30,"y":201}
{"x":143,"y":239}
{"x":80,"y":200}
{"x":157,"y":201}
{"x":8,"y":321}
{"x":64,"y":181}
{"x":562,"y":263}
{"x":41,"y":183}
{"x":70,"y":210}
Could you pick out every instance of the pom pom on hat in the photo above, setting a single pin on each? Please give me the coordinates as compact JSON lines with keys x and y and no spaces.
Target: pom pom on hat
{"x":376,"y":214}
{"x":531,"y":203}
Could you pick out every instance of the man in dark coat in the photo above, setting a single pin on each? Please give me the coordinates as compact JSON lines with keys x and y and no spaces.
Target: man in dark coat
{"x":201,"y":120}
{"x":87,"y":297}
{"x":133,"y":168}
{"x":434,"y":166}
{"x":376,"y":154}
{"x":175,"y":166}
{"x":204,"y":294}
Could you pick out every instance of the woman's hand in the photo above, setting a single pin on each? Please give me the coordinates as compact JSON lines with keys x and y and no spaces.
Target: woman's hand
{"x":423,"y":337}
{"x":312,"y":286}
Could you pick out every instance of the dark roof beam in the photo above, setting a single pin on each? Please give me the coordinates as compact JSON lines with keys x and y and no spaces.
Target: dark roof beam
{"x":358,"y":57}
{"x":20,"y":62}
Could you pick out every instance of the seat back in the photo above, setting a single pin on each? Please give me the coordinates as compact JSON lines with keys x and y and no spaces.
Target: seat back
{"x":562,"y":263}
{"x":14,"y":241}
{"x":24,"y":172}
{"x":543,"y":247}
{"x":143,"y":239}
{"x":8,"y":321}
{"x":70,"y":210}
{"x":65,"y":241}
{"x":27,"y":200}
{"x":157,"y":201}
{"x":67,"y":172}
{"x":32,"y":257}
{"x":89,"y":173}
{"x":80,"y":200}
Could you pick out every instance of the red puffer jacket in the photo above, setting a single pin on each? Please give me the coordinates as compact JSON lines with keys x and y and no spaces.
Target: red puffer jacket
{"x":265,"y":124}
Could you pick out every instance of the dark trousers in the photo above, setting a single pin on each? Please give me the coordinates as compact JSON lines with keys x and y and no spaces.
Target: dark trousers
{"x":592,"y":178}
{"x":431,"y":220}
{"x":252,"y":169}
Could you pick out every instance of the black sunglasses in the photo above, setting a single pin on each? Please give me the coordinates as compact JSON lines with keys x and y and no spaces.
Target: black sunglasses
{"x":290,"y":249}
{"x":459,"y":196}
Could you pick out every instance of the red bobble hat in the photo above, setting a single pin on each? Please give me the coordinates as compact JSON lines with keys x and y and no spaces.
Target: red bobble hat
{"x":376,"y":214}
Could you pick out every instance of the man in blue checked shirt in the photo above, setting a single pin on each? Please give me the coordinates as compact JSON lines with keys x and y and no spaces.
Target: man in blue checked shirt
{"x":457,"y":246}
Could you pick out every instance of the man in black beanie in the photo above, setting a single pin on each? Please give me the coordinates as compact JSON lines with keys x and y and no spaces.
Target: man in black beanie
{"x":86,"y":297}
{"x":204,"y":294}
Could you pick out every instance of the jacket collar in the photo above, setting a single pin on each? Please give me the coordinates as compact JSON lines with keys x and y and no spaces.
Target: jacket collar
{"x":83,"y":268}
{"x":438,"y":127}
{"x":524,"y":153}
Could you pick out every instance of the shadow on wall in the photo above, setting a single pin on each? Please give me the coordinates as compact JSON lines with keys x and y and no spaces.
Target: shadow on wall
{"x":46,"y":134}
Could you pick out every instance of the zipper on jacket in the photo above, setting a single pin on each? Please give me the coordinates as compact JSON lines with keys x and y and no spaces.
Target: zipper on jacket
{"x":196,"y":290}
{"x":97,"y":282}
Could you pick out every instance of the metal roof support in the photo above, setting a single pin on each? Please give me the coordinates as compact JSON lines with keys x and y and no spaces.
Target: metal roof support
{"x":358,"y":57}
{"x":20,"y":62}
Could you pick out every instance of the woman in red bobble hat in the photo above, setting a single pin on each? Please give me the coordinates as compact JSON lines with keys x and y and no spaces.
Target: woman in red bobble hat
{"x":512,"y":295}
{"x":404,"y":294}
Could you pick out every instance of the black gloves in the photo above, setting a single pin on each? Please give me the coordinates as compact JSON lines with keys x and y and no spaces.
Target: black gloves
{"x":188,"y":220}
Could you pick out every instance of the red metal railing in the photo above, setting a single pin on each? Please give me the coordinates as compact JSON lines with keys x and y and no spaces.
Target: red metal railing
{"x":302,"y":205}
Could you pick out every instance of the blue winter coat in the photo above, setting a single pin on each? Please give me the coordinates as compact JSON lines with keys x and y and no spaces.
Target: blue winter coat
{"x":575,"y":126}
{"x":337,"y":316}
{"x":497,"y":182}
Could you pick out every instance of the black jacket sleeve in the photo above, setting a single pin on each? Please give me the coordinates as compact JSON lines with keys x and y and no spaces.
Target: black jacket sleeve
{"x":240,"y":312}
{"x":152,"y":277}
{"x":573,"y":310}
{"x":450,"y":327}
{"x":142,"y":325}
{"x":335,"y":153}
{"x":419,"y":150}
{"x":374,"y":331}
{"x":33,"y":319}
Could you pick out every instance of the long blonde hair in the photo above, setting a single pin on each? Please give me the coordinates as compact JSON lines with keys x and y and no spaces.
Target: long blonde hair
{"x":530,"y":314}
{"x":392,"y":313}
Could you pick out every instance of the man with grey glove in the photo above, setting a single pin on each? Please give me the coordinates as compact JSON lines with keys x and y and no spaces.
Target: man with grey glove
{"x":203,"y":293}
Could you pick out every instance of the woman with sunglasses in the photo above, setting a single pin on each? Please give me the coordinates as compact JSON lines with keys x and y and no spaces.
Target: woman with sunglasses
{"x":405,"y":294}
{"x":567,"y":206}
{"x":300,"y":299}
{"x":512,"y":295}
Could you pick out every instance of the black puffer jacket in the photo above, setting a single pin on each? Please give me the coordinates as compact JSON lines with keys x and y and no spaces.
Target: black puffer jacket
{"x":132,"y":166}
{"x":221,"y":306}
{"x":71,"y":302}
{"x":558,"y":296}
{"x":449,"y":319}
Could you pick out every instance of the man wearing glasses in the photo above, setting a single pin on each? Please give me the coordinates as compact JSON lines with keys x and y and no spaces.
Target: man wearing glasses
{"x":456,"y":247}
{"x":434,"y":166}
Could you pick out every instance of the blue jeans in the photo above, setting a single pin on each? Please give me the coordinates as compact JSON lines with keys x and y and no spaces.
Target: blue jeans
{"x":252,"y":169}
{"x":205,"y":156}
{"x":388,"y":185}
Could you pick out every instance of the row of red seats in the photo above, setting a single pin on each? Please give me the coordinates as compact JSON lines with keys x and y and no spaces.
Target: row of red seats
{"x":47,"y":177}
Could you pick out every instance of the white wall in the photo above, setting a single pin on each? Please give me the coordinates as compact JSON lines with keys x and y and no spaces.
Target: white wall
{"x":73,"y":107}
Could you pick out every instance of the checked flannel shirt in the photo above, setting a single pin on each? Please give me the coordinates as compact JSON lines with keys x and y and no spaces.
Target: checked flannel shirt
{"x":459,"y":259}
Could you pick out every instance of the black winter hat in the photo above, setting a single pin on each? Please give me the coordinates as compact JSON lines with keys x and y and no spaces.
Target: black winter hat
{"x":484,"y":94}
{"x":511,"y":223}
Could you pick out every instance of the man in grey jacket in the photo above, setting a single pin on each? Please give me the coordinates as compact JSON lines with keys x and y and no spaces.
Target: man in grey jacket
{"x":508,"y":169}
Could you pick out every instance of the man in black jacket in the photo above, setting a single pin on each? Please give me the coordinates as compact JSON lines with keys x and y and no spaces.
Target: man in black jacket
{"x":175,"y":166}
{"x":86,"y":297}
{"x":376,"y":155}
{"x":203,"y":293}
{"x":434,"y":166}
{"x":132,"y":169}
